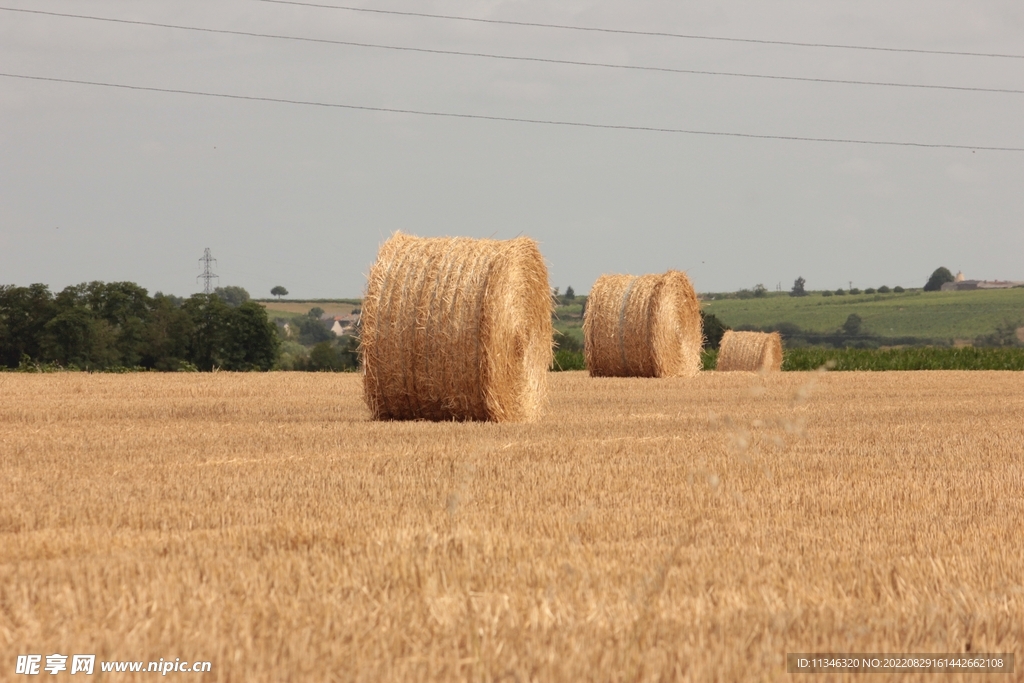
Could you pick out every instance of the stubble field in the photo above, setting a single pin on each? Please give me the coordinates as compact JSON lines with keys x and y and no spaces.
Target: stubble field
{"x":643,"y":530}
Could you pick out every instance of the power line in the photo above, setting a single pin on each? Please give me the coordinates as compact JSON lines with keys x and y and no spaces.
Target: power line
{"x":512,"y":119}
{"x":662,"y":34}
{"x":543,"y":60}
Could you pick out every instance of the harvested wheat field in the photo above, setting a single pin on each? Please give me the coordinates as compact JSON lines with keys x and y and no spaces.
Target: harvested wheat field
{"x":678,"y":529}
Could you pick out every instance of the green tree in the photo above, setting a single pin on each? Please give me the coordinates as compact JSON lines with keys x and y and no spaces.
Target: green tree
{"x":85,"y":332}
{"x":208,"y":332}
{"x":316,"y":312}
{"x":252,"y":341}
{"x":165,"y":341}
{"x":279,"y":291}
{"x":311,"y":331}
{"x":348,"y":351}
{"x":798,"y":287}
{"x":853,"y":324}
{"x":93,"y":325}
{"x":126,"y":308}
{"x":940,"y":277}
{"x":175,"y":301}
{"x":96,"y":326}
{"x":323,"y":358}
{"x":570,"y":293}
{"x":293,"y":356}
{"x":232,"y":295}
{"x":230,"y":338}
{"x":760,"y":290}
{"x":714,"y":330}
{"x":76,"y":337}
{"x":326,"y":357}
{"x":24,"y":312}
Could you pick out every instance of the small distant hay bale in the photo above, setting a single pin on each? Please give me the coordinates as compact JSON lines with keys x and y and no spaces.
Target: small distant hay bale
{"x":750,"y":351}
{"x":647,"y":326}
{"x":455,"y":328}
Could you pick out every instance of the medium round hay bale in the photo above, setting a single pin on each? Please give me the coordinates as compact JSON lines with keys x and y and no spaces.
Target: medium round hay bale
{"x":750,"y":351}
{"x":455,"y":328}
{"x":647,"y":326}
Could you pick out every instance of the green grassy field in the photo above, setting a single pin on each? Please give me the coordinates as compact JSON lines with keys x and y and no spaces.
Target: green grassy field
{"x":938,"y":315}
{"x":913,"y":358}
{"x":568,"y":320}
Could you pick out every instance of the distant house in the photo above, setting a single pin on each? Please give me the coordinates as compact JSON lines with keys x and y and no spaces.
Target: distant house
{"x":959,"y":283}
{"x":341,"y":325}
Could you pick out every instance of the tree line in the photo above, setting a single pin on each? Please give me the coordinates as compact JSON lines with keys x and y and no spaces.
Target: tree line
{"x":105,"y":326}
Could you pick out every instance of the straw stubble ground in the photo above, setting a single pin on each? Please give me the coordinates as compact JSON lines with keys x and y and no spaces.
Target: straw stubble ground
{"x":643,"y":530}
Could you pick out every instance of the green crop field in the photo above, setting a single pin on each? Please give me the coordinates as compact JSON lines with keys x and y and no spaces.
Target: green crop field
{"x":910,"y":358}
{"x":936,"y":315}
{"x":568,"y":320}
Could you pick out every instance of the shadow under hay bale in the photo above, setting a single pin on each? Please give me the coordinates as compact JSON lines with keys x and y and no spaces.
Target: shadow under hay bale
{"x":455,"y":328}
{"x":750,"y":351}
{"x":647,"y":326}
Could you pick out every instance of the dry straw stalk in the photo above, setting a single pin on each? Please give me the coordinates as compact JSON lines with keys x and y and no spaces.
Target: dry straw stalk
{"x":647,"y":326}
{"x":750,"y":351}
{"x":455,"y":328}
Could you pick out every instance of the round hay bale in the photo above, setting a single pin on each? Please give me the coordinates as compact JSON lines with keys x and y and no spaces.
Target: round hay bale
{"x":750,"y":351}
{"x":647,"y":326}
{"x":455,"y":328}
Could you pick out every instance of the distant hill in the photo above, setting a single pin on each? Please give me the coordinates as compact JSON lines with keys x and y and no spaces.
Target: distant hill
{"x":943,"y":317}
{"x":962,"y":315}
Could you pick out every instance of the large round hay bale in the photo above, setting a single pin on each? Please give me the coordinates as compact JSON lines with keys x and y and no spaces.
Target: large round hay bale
{"x":750,"y":351}
{"x":456,"y":329}
{"x":647,"y":326}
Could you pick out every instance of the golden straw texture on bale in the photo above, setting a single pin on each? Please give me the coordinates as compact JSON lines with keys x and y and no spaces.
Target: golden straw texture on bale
{"x":455,"y":328}
{"x":750,"y":351}
{"x":647,"y":326}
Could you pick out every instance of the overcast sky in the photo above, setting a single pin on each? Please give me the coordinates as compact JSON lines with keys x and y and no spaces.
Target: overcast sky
{"x":111,"y":184}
